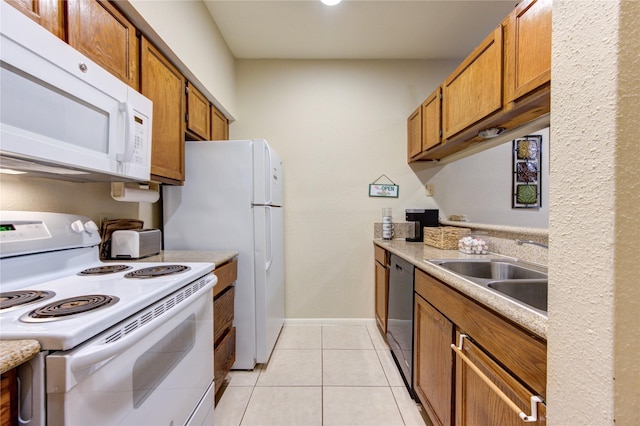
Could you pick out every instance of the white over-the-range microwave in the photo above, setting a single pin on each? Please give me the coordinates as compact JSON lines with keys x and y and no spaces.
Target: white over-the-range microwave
{"x":62,"y":115}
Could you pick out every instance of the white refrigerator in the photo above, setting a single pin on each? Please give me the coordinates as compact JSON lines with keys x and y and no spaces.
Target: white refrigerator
{"x":232,"y":200}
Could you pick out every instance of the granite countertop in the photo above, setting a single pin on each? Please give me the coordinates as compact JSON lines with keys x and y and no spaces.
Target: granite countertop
{"x":217,"y":257}
{"x":15,"y":352}
{"x":417,"y":253}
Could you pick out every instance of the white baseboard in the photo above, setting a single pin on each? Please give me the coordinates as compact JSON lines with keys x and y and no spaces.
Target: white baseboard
{"x":330,"y":321}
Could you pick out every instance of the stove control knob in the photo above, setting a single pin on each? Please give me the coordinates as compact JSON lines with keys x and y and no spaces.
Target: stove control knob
{"x":77,"y":226}
{"x":91,"y":227}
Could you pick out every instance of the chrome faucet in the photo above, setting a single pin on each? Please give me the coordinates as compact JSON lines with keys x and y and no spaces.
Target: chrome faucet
{"x":535,"y":243}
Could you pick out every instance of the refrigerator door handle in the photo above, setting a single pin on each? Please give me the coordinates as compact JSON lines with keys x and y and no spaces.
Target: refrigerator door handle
{"x":269,"y":172}
{"x":268,"y":238}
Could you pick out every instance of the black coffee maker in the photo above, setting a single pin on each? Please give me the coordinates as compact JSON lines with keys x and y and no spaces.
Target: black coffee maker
{"x":420,"y":219}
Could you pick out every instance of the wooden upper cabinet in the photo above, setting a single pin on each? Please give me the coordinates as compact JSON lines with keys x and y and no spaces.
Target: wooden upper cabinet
{"x":431,"y":120}
{"x":414,"y":133}
{"x":47,"y":13}
{"x":527,"y":47}
{"x":219,"y":125}
{"x":161,"y":82}
{"x":198,"y":115}
{"x":474,"y":90}
{"x":424,"y":126}
{"x":97,"y":29}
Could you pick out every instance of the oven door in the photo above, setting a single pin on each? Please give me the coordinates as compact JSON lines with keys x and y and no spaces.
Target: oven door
{"x":159,"y":374}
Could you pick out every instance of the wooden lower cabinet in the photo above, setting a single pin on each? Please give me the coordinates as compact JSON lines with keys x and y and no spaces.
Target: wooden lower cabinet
{"x":448,"y":385}
{"x":433,"y":361}
{"x":9,"y":398}
{"x":381,"y":287}
{"x":477,"y":403}
{"x":224,"y":334}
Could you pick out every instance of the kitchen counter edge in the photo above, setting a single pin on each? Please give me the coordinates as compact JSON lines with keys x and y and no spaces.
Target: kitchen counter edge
{"x":217,"y":257}
{"x":416,"y":253}
{"x":15,"y":352}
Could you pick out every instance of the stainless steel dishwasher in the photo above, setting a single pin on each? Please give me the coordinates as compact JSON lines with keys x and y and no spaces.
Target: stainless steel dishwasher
{"x":400,"y":317}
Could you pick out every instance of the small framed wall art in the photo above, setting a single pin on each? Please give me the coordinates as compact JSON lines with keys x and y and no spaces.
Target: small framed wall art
{"x":527,"y":159}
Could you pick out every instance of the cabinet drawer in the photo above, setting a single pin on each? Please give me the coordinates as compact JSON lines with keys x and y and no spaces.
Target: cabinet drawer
{"x":224,"y":356}
{"x":227,"y":274}
{"x":523,"y":354}
{"x":222,"y":313}
{"x":381,"y":256}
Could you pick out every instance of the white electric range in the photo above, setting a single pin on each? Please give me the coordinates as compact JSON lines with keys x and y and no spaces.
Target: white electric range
{"x":128,"y":343}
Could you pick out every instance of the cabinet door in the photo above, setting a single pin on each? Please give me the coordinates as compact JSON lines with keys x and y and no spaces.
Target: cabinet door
{"x":161,"y":82}
{"x":414,"y":133}
{"x":382,"y":290}
{"x":97,"y":29}
{"x":9,"y":398}
{"x":47,"y":13}
{"x":431,"y":120}
{"x":433,"y":361}
{"x":527,"y":42}
{"x":198,"y":115}
{"x":477,"y":403}
{"x":219,"y":125}
{"x":474,"y":90}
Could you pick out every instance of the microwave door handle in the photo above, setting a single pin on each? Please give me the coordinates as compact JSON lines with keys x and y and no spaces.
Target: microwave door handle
{"x":129,"y":134}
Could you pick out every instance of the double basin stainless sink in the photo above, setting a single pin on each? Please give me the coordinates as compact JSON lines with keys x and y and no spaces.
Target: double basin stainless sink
{"x":524,"y":283}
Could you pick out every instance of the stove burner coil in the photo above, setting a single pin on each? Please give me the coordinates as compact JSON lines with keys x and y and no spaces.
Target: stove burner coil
{"x":103,"y":270}
{"x":157,"y":271}
{"x":64,"y":308}
{"x":17,"y":299}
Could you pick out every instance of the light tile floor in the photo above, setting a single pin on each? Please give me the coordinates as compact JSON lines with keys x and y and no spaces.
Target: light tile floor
{"x":321,"y":375}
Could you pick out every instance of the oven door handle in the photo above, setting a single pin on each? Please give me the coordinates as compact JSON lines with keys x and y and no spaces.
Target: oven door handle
{"x":97,"y":354}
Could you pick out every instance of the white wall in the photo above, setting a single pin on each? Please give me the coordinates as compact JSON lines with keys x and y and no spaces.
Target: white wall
{"x":188,"y":29}
{"x":594,"y":316}
{"x":480,"y":186}
{"x":89,"y":199}
{"x":338,"y":125}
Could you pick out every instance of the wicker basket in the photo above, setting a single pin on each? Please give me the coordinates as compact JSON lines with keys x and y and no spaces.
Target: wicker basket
{"x":444,"y":237}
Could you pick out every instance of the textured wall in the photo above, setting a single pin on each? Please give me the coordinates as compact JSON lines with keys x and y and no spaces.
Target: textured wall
{"x":593,"y":292}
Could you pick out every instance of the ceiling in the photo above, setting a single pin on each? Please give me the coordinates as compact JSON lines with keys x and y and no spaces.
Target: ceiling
{"x":356,"y":29}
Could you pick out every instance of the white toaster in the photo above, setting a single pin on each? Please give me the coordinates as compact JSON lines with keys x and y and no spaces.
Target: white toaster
{"x":135,"y":243}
